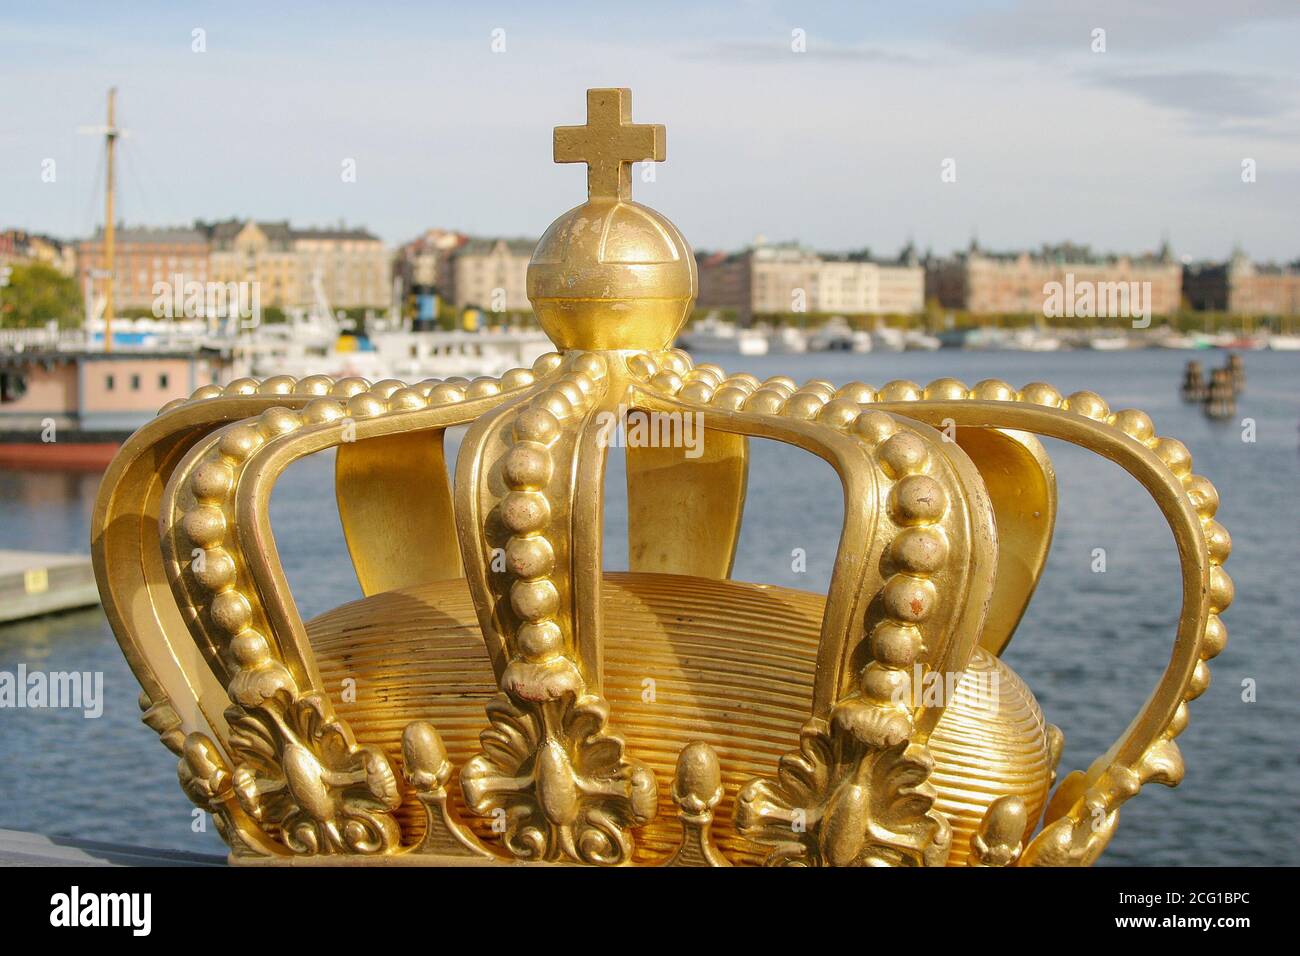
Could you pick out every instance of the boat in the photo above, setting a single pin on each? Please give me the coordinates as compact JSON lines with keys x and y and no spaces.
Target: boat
{"x":68,"y":402}
{"x":318,"y":344}
{"x":787,"y":340}
{"x":1032,"y":340}
{"x":1180,"y":340}
{"x":1284,"y":343}
{"x":980,"y":339}
{"x":70,"y":408}
{"x":886,"y":338}
{"x":1109,"y":342}
{"x":836,"y":335}
{"x":914,"y":340}
{"x":715,"y":335}
{"x":1243,"y":343}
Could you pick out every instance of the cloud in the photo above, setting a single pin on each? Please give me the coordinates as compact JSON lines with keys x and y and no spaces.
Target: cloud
{"x":1213,"y":101}
{"x":1156,"y":53}
{"x":1206,"y":92}
{"x":1046,"y":26}
{"x":777,"y":51}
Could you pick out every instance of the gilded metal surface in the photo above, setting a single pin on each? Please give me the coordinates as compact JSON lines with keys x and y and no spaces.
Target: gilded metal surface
{"x":520,"y":705}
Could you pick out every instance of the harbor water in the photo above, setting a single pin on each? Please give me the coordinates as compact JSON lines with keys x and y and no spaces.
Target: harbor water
{"x":1092,"y":645}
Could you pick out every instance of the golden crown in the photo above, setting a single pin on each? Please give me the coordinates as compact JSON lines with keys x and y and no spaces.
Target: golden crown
{"x":785,"y":727}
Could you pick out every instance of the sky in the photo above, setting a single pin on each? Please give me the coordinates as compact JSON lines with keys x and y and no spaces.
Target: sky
{"x":446,"y":113}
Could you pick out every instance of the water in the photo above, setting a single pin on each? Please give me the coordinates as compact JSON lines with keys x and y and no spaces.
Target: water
{"x":1091,"y":645}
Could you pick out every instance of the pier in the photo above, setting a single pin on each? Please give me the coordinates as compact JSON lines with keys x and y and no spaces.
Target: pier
{"x":20,"y":848}
{"x":33,"y":583}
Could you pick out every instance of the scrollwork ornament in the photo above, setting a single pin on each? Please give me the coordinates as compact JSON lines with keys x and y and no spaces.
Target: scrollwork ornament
{"x":560,"y":781}
{"x":839,"y":801}
{"x":301,"y":774}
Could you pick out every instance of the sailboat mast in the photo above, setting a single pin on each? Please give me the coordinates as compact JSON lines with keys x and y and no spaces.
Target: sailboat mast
{"x":110,"y":138}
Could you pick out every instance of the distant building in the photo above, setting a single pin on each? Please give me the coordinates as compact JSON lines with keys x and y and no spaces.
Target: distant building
{"x":20,"y":247}
{"x":902,"y":285}
{"x":856,"y":284}
{"x":787,"y":277}
{"x":261,"y":252}
{"x":143,"y":257}
{"x":781,"y":278}
{"x":491,"y":274}
{"x":1242,"y":287}
{"x":353,"y":264}
{"x":425,"y":261}
{"x":724,"y":280}
{"x":986,"y":283}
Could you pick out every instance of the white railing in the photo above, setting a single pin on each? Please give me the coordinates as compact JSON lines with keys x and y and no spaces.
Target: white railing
{"x":19,"y":340}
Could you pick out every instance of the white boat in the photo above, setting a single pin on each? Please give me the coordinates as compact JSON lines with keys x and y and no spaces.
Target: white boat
{"x":1109,"y":342}
{"x":319,"y":343}
{"x":712,"y":334}
{"x":787,"y":340}
{"x":914,"y":340}
{"x":1179,"y":340}
{"x":885,"y":338}
{"x":836,"y":335}
{"x":177,"y":335}
{"x":1194,"y":340}
{"x":1032,"y":340}
{"x":412,"y":356}
{"x":984,"y":338}
{"x":400,"y":354}
{"x":1284,"y":343}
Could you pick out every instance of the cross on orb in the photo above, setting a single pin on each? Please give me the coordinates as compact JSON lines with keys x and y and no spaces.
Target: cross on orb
{"x":609,"y":144}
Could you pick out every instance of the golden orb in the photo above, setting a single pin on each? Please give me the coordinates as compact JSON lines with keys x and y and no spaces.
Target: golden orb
{"x":612,"y":275}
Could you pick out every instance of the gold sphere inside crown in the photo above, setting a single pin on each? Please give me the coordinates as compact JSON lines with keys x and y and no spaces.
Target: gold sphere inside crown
{"x":612,"y":275}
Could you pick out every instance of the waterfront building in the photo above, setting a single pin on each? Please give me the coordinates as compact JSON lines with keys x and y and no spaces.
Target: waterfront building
{"x":1243,"y":287}
{"x":20,"y":247}
{"x":354,"y":266}
{"x":261,"y":252}
{"x":987,"y":283}
{"x":781,"y":278}
{"x":425,"y":261}
{"x":490,"y":274}
{"x":145,"y":256}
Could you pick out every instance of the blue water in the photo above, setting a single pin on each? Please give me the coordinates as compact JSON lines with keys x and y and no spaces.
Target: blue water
{"x":1091,"y":645}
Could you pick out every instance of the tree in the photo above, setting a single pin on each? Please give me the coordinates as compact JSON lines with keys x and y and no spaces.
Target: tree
{"x":37,"y":294}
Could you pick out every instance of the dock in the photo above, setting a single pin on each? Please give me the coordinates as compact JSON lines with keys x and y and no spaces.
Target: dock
{"x":33,"y":583}
{"x":19,"y":848}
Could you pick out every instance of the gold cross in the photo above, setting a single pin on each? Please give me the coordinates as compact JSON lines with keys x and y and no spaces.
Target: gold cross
{"x":609,"y":144}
